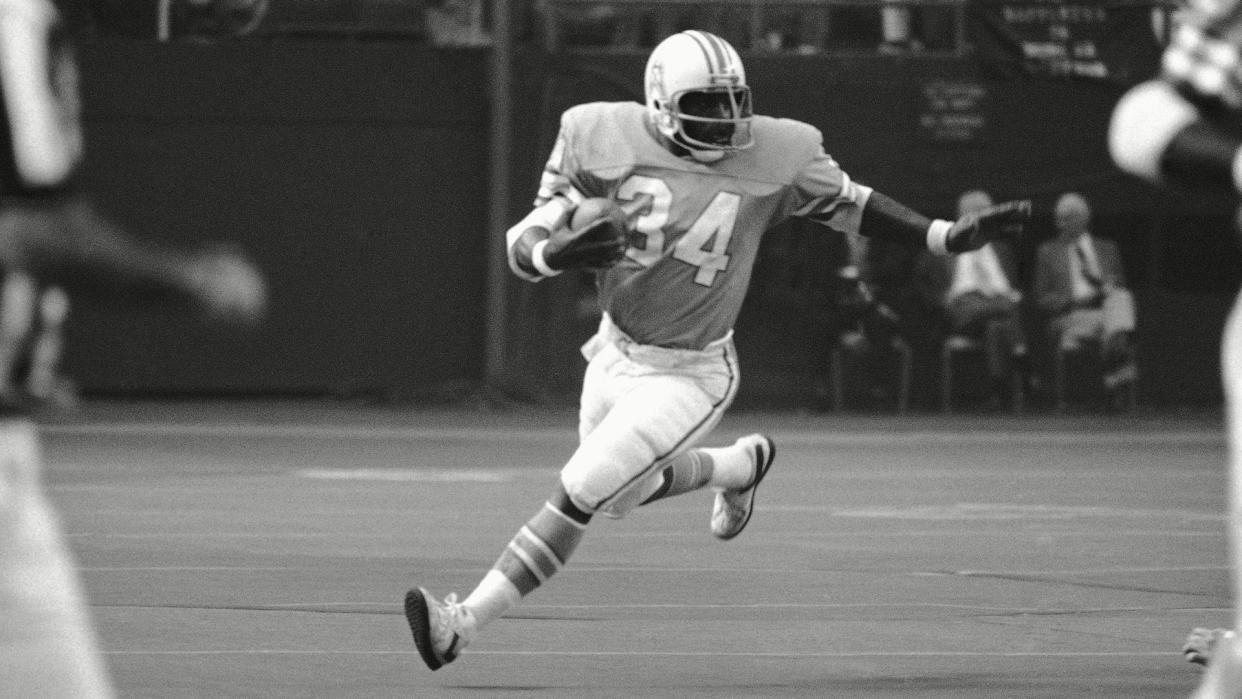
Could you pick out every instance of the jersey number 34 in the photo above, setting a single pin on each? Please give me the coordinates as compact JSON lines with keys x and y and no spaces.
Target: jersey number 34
{"x":704,"y":244}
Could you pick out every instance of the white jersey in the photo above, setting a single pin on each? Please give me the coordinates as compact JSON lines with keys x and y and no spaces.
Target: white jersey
{"x":1202,"y":57}
{"x":685,"y":275}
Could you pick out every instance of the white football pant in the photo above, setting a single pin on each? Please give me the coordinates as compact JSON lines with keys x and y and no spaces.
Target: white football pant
{"x":642,"y":407}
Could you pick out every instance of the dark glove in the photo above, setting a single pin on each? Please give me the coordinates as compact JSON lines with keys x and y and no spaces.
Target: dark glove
{"x":598,"y":244}
{"x":1000,"y":222}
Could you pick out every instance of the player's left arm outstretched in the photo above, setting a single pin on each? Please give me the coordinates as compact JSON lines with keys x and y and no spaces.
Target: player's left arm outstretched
{"x":832,"y":198}
{"x":862,"y":210}
{"x":884,"y":217}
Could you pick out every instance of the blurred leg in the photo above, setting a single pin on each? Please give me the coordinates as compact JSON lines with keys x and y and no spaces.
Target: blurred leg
{"x":47,"y":646}
{"x":1224,"y":674}
{"x":48,"y":343}
{"x":17,"y":312}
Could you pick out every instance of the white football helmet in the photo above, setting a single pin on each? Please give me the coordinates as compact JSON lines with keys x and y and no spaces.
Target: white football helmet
{"x":697,"y":94}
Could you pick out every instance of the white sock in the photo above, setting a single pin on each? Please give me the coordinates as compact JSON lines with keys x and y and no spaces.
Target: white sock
{"x":494,"y":596}
{"x":733,"y":466}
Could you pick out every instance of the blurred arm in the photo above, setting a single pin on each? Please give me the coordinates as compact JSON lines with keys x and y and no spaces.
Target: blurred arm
{"x":63,"y":238}
{"x":1157,"y":134}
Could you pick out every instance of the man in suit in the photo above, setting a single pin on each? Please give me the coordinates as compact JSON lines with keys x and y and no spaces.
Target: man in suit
{"x":1080,"y":288}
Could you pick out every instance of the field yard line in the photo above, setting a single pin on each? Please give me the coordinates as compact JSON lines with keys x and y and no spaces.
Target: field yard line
{"x":312,"y":606}
{"x":688,"y":654}
{"x":792,"y":437}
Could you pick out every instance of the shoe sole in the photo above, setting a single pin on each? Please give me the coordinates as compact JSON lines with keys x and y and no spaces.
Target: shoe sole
{"x":420,"y":625}
{"x":1202,"y":645}
{"x":760,"y":471}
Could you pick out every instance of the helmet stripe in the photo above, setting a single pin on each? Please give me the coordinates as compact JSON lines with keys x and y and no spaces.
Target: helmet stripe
{"x":710,"y":50}
{"x":722,"y":52}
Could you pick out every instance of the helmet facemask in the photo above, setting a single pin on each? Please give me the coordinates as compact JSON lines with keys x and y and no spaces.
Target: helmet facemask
{"x":712,"y":119}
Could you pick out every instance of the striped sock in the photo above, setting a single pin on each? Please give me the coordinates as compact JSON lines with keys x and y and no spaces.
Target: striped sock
{"x":541,"y":547}
{"x":686,"y":473}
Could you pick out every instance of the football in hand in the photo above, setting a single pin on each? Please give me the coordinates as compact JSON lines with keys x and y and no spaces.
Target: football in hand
{"x":591,"y":210}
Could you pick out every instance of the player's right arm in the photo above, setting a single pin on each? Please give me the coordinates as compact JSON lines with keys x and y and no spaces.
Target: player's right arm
{"x":526,"y":240}
{"x":541,"y":244}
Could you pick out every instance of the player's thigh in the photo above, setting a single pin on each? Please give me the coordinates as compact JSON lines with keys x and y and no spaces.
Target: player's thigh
{"x":601,"y":383}
{"x":659,"y":418}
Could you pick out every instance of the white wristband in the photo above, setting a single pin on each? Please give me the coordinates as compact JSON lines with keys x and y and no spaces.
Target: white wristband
{"x":1237,"y":170}
{"x":938,"y":236}
{"x":536,"y":258}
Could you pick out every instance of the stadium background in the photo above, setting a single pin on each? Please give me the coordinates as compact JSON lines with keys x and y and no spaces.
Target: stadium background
{"x":359,"y":174}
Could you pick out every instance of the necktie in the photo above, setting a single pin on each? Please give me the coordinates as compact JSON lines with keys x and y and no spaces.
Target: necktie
{"x":1088,"y":267}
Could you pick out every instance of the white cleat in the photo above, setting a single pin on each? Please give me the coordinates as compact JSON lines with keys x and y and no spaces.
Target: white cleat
{"x":1201,"y":644}
{"x":441,"y":629}
{"x":1223,"y":679}
{"x":732,"y":509}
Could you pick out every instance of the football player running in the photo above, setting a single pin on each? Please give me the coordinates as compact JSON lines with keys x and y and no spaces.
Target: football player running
{"x":1184,"y":129}
{"x":703,"y":178}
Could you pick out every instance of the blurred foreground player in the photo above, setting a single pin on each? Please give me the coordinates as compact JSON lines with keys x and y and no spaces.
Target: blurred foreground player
{"x":32,"y":324}
{"x":702,"y":179}
{"x":49,"y":231}
{"x":1184,"y":129}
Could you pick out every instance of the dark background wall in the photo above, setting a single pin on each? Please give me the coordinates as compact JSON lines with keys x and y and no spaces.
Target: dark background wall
{"x":356,"y":174}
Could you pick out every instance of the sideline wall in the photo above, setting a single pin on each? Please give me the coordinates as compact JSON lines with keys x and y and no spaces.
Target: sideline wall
{"x":356,"y":174}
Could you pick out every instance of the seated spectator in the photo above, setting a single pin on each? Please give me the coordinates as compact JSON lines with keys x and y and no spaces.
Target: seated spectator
{"x":205,"y":20}
{"x":1080,"y":288}
{"x":896,"y":28}
{"x":457,"y":23}
{"x":864,"y":327}
{"x":981,"y":301}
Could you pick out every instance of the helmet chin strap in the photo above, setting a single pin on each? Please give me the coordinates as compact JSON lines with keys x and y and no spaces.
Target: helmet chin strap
{"x":700,"y":155}
{"x":706,"y":156}
{"x":682,"y":150}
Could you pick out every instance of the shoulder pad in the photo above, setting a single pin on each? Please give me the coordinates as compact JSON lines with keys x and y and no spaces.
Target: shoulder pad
{"x":790,"y":133}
